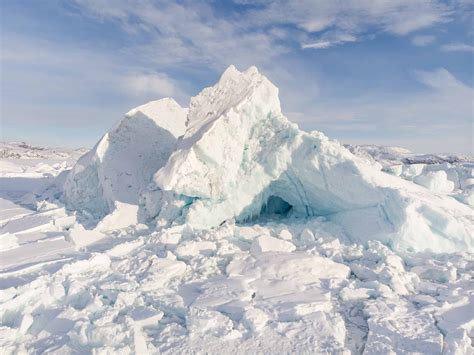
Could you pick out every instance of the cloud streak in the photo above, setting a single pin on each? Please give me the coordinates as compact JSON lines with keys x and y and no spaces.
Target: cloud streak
{"x":457,"y":47}
{"x":190,"y":32}
{"x":423,"y":40}
{"x":437,"y":118}
{"x":330,"y":41}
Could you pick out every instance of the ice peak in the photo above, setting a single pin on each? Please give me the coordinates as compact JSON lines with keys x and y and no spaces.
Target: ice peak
{"x":164,"y":112}
{"x":230,"y":72}
{"x":151,"y":106}
{"x":234,"y":89}
{"x":233,"y":74}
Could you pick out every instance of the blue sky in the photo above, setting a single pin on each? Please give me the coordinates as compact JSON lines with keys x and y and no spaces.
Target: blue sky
{"x":396,"y":72}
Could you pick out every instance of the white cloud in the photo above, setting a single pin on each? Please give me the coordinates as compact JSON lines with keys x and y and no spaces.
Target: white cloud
{"x":354,"y":16}
{"x":188,"y":33}
{"x":191,"y":32}
{"x":330,"y":41}
{"x":155,"y":84}
{"x":440,"y":79}
{"x":437,"y":118}
{"x":318,"y":45}
{"x":422,"y":40}
{"x":457,"y":47}
{"x":65,"y":88}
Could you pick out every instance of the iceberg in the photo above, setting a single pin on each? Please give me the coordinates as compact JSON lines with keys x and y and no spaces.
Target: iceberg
{"x":240,"y":157}
{"x":123,"y":162}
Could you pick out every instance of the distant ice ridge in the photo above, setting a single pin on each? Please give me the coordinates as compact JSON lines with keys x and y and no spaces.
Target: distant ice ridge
{"x":24,"y":151}
{"x":240,"y":157}
{"x":111,"y":175}
{"x":443,"y":173}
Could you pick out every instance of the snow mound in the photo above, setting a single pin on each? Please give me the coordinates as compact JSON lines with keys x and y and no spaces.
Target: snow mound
{"x":435,"y":181}
{"x":125,"y":159}
{"x":241,"y":158}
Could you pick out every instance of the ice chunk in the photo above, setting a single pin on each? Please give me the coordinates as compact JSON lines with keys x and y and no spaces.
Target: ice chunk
{"x":266,"y":243}
{"x":267,"y":166}
{"x":123,"y":162}
{"x":8,"y":241}
{"x":193,"y":248}
{"x":285,"y":234}
{"x":255,"y":319}
{"x":82,"y":237}
{"x":299,"y":267}
{"x":436,"y":181}
{"x":125,"y":248}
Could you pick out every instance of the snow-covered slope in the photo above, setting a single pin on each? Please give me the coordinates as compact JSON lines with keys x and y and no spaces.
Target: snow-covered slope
{"x":240,"y":158}
{"x":122,"y":163}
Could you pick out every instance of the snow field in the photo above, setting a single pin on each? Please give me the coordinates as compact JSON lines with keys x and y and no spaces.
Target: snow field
{"x":214,"y":290}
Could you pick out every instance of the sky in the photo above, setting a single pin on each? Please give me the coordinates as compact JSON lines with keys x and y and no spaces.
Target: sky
{"x":391,"y":72}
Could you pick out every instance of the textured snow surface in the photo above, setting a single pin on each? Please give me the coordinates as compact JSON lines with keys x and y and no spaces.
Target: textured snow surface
{"x":304,"y":289}
{"x":256,"y":238}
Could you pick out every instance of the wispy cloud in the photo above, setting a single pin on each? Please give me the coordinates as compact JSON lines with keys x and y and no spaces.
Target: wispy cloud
{"x":190,"y":32}
{"x":187,"y":33}
{"x":330,"y":41}
{"x":437,"y":118}
{"x":457,"y":47}
{"x":62,"y":87}
{"x":423,"y":40}
{"x":442,"y":80}
{"x":45,"y":64}
{"x":354,"y":16}
{"x":157,"y":84}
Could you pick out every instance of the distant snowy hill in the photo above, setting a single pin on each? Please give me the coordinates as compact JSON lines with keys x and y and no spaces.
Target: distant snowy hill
{"x":441,"y":173}
{"x":223,"y":228}
{"x":22,"y":150}
{"x":388,"y":156}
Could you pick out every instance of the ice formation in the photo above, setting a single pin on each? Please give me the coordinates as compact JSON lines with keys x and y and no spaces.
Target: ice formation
{"x":123,"y":162}
{"x":240,"y":158}
{"x":275,"y":285}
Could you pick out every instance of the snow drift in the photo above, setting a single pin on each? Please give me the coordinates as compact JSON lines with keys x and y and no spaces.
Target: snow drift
{"x":123,"y":162}
{"x":241,"y":157}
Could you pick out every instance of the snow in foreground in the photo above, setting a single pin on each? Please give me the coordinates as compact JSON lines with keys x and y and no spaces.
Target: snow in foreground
{"x":162,"y":239}
{"x":268,"y":288}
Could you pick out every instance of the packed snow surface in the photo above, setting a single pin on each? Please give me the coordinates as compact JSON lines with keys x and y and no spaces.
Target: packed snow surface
{"x":257,"y":237}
